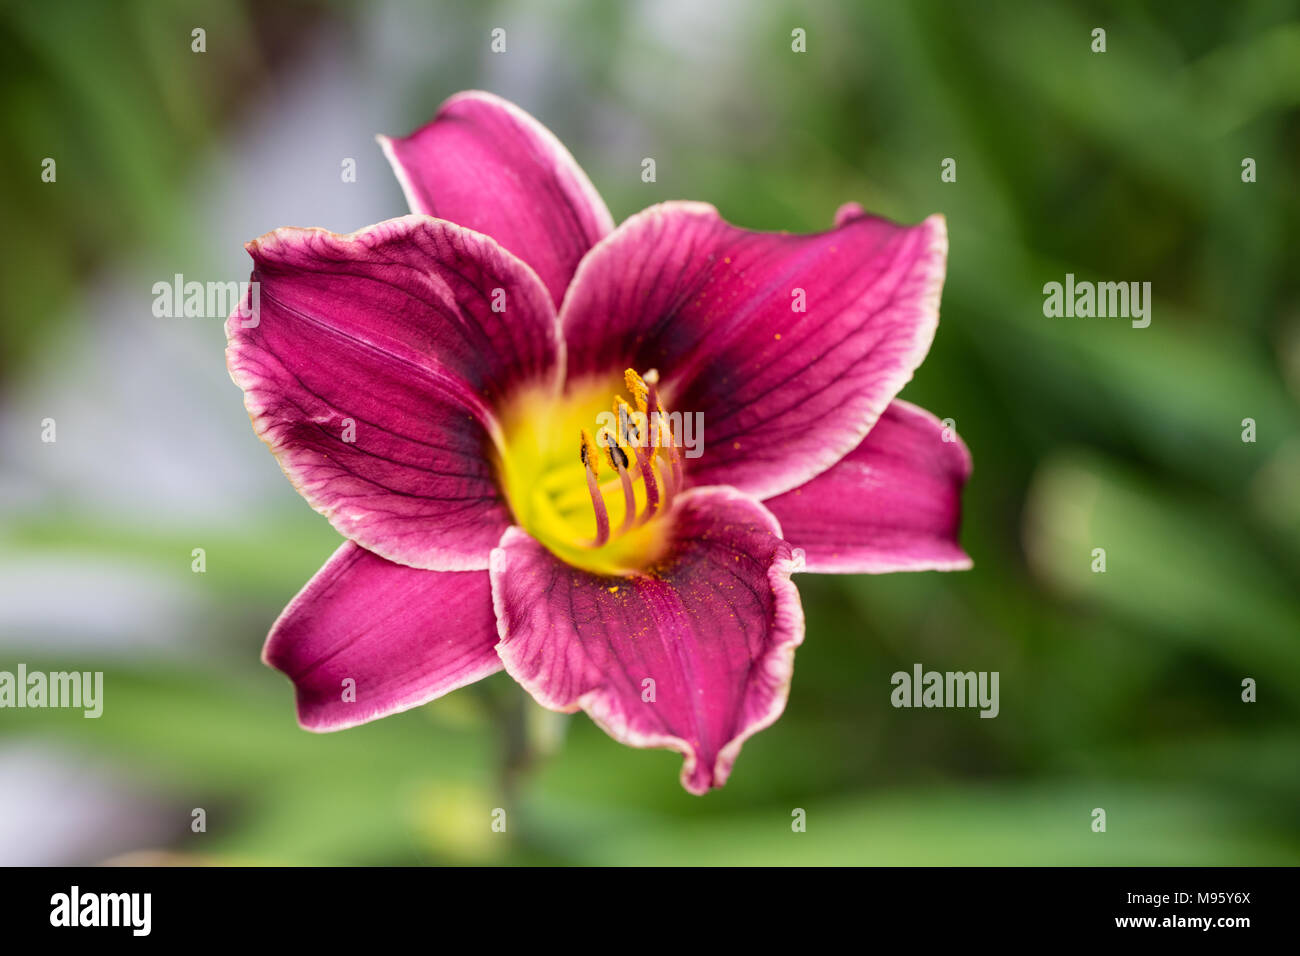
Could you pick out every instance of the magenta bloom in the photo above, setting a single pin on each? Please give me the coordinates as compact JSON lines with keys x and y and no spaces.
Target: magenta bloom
{"x":498,"y":401}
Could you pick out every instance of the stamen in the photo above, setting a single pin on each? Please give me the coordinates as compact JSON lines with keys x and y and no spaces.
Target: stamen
{"x":652,"y":396}
{"x":670,"y":489}
{"x":591,"y":462}
{"x":641,"y":445}
{"x":637,"y":386}
{"x":651,"y":486}
{"x":630,"y":432}
{"x":665,"y":456}
{"x":673,"y":475}
{"x":590,"y":459}
{"x":619,"y":459}
{"x":629,"y":429}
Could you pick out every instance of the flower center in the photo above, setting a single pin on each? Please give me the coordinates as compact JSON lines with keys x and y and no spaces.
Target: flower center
{"x":592,"y":479}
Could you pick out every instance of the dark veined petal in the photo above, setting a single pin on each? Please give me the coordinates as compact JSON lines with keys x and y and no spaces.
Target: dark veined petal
{"x":486,"y":164}
{"x":695,"y":656}
{"x":400,"y":635}
{"x":371,"y":368}
{"x":891,"y":504}
{"x":789,"y":346}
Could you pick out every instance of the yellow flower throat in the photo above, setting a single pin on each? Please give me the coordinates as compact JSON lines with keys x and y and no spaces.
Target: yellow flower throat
{"x":592,"y":479}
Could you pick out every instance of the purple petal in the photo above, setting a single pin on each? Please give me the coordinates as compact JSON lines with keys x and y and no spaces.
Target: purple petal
{"x":784,"y":393}
{"x":848,"y":212}
{"x":486,"y":164}
{"x":371,"y":368}
{"x":892,"y":504}
{"x":402,"y":636}
{"x":714,"y":627}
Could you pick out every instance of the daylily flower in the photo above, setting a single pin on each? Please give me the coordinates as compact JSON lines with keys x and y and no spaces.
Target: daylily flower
{"x":434,"y":385}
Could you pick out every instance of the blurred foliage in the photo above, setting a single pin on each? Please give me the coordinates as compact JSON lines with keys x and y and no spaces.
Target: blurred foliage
{"x":114,"y":93}
{"x":1119,"y":690}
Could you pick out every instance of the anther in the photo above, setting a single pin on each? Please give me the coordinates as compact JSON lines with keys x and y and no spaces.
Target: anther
{"x":618,"y":458}
{"x":629,"y":429}
{"x":591,"y":463}
{"x":640,"y":445}
{"x":637,"y":386}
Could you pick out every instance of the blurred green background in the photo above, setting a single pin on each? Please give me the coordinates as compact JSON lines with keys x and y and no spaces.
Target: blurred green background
{"x":1119,"y":690}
